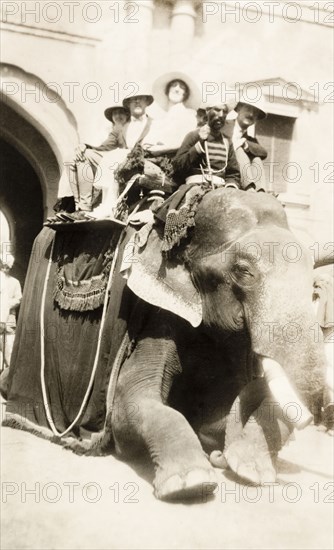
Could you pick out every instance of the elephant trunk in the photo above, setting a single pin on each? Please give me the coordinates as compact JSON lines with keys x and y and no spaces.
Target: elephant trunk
{"x":286,"y":337}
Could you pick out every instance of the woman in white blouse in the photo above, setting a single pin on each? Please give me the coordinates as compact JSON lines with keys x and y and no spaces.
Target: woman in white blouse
{"x":174,"y":111}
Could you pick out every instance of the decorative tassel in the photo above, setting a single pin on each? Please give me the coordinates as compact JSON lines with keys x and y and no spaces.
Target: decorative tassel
{"x":83,"y":296}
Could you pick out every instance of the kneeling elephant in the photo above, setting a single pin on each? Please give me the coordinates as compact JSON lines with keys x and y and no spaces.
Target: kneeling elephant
{"x":214,"y":355}
{"x":219,"y":360}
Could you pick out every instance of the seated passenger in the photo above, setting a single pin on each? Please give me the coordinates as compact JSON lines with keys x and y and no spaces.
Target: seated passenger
{"x":118,"y":115}
{"x":249,"y":152}
{"x":79,"y":174}
{"x":207,"y":155}
{"x":135,"y":130}
{"x":89,"y":165}
{"x":205,"y":160}
{"x":177,"y":97}
{"x":116,"y":148}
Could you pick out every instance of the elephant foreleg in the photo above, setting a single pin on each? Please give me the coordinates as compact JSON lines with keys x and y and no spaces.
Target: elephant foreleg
{"x":142,"y":418}
{"x":252,"y":445}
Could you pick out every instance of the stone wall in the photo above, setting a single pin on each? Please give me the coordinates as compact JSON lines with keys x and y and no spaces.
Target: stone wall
{"x":85,"y":56}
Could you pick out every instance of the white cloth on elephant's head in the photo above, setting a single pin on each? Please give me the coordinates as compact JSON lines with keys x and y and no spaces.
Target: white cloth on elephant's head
{"x":171,"y":128}
{"x":137,"y":242}
{"x":171,"y":289}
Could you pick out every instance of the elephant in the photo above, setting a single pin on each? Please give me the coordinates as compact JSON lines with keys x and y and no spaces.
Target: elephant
{"x":218,"y":349}
{"x":217,"y":360}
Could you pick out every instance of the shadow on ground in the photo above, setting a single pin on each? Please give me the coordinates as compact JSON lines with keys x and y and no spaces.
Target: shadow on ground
{"x":54,"y":499}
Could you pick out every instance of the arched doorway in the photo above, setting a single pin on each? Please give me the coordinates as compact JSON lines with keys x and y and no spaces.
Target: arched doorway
{"x":37,"y":135}
{"x":21,"y":202}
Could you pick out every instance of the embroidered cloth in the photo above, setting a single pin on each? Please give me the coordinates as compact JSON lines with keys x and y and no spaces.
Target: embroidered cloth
{"x":84,"y":261}
{"x":178,"y":213}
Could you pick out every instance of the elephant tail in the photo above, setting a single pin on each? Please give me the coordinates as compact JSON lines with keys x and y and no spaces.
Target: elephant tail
{"x":100,"y":444}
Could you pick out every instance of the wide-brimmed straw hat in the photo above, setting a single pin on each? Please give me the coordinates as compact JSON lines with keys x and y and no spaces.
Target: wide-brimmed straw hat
{"x":159,"y":89}
{"x":108,"y":113}
{"x":257,"y":106}
{"x":141,"y":91}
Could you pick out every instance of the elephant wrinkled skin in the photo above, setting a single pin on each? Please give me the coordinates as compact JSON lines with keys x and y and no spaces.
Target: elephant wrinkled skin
{"x":232,"y":298}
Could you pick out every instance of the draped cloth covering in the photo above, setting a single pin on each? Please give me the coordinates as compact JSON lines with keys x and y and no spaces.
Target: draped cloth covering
{"x":70,"y":336}
{"x":84,"y":260}
{"x":71,"y":333}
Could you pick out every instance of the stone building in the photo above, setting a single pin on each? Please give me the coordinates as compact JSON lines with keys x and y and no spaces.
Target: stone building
{"x":64,"y":62}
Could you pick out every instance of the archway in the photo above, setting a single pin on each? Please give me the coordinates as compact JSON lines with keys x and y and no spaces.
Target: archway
{"x":37,"y":122}
{"x":21,"y":201}
{"x":36,"y":134}
{"x":40,"y":106}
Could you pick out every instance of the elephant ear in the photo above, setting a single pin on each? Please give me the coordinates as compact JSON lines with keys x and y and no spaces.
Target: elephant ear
{"x":161,"y":282}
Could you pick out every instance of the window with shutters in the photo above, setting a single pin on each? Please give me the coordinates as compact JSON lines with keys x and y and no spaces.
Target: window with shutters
{"x":274,"y":133}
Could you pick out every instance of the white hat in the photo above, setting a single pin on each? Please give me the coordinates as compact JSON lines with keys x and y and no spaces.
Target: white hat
{"x":257,"y":106}
{"x":159,"y":89}
{"x":140,"y":89}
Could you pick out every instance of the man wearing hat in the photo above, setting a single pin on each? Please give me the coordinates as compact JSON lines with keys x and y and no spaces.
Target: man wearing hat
{"x":249,"y":152}
{"x":121,"y":140}
{"x":207,"y":155}
{"x":92,"y":162}
{"x":135,"y":130}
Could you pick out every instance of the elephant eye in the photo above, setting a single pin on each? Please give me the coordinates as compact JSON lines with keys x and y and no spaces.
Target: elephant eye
{"x":242,"y":271}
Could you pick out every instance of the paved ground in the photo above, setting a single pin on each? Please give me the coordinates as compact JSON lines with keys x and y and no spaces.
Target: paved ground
{"x":53,"y":499}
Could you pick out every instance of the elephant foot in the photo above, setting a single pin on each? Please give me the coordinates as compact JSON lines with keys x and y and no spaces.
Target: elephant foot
{"x":198,"y":482}
{"x":248,"y":456}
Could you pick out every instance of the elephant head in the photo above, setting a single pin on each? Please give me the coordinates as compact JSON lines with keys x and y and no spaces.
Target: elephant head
{"x":242,"y":268}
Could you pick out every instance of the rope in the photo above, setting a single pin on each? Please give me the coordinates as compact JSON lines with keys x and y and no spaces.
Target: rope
{"x":208,"y":164}
{"x":210,"y":173}
{"x":92,"y":376}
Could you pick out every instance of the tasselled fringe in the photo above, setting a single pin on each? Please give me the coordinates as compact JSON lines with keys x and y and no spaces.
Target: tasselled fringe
{"x":178,"y":222}
{"x":74,"y":298}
